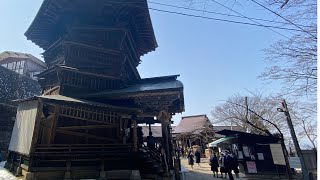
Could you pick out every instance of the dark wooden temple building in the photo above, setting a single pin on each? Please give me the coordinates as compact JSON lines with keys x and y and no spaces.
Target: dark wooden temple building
{"x":194,"y":130}
{"x":84,"y":125}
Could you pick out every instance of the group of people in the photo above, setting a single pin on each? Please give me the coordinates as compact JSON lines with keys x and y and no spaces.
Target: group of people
{"x":191,"y":156}
{"x":227,"y":162}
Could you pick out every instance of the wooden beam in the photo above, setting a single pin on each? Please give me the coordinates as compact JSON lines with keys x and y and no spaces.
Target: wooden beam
{"x":84,"y":135}
{"x":135,"y":137}
{"x":88,"y":127}
{"x":83,"y":119}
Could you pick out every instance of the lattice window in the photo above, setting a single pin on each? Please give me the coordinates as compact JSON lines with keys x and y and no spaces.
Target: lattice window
{"x":94,"y":56}
{"x":89,"y":82}
{"x":90,"y":114}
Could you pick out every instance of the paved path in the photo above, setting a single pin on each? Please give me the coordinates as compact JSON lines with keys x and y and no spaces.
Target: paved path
{"x":5,"y":174}
{"x":201,"y":173}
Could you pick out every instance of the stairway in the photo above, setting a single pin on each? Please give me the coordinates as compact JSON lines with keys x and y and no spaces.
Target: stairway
{"x":150,"y":164}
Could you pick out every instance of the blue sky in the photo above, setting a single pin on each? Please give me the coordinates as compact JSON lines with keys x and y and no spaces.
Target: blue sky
{"x":214,"y":59}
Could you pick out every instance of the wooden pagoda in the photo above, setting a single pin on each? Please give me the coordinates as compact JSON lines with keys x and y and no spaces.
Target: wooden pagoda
{"x":84,"y":125}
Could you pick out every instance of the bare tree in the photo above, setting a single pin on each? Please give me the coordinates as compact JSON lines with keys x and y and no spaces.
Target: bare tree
{"x":234,"y":111}
{"x":306,"y":122}
{"x":293,"y":60}
{"x":262,"y":117}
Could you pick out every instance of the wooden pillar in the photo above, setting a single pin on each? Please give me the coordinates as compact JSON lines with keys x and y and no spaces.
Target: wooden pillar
{"x":54,"y":124}
{"x":170,"y":142}
{"x":135,"y":136}
{"x":125,"y":130}
{"x":167,"y":144}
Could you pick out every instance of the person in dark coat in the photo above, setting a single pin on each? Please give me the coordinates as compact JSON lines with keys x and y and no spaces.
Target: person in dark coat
{"x":190,"y":158}
{"x":222,"y":165}
{"x":228,"y":164}
{"x":197,"y":154}
{"x":214,"y":165}
{"x":140,"y":136}
{"x":234,"y":165}
{"x":182,"y":152}
{"x":151,"y":142}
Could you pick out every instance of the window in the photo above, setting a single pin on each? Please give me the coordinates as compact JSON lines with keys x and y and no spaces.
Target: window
{"x":16,"y":66}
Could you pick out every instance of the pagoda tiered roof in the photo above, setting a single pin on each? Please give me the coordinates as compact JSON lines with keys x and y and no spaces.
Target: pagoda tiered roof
{"x":55,"y":17}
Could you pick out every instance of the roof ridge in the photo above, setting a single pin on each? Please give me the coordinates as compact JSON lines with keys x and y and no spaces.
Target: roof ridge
{"x":194,"y":116}
{"x":21,"y":55}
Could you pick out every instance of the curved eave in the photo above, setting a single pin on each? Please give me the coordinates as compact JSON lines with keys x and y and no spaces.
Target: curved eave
{"x":41,"y":29}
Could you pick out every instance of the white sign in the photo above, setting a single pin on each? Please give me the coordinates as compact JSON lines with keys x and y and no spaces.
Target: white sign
{"x":277,"y":154}
{"x":240,"y":155}
{"x":294,"y":162}
{"x":260,"y":156}
{"x":246,"y":151}
{"x":252,"y":168}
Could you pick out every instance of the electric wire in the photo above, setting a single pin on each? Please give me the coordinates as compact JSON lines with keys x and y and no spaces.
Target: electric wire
{"x":284,"y":18}
{"x":249,"y":19}
{"x":218,"y":13}
{"x":225,"y":20}
{"x":133,"y":4}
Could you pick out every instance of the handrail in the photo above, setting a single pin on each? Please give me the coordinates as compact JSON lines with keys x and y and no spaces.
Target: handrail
{"x":153,"y":154}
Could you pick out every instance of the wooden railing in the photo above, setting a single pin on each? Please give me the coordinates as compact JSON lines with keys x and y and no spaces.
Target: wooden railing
{"x":154,"y":154}
{"x":79,"y":150}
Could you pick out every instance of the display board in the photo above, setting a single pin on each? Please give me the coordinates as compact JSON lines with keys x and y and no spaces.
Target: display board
{"x":277,"y":154}
{"x":252,"y":168}
{"x":294,"y":162}
{"x":21,"y":138}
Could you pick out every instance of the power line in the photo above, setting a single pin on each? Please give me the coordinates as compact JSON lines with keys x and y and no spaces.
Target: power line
{"x":224,"y":20}
{"x":211,"y":12}
{"x":284,"y":18}
{"x":250,"y":19}
{"x":133,"y":4}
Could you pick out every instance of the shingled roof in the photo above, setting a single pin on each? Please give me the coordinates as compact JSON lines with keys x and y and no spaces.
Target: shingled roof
{"x":18,"y":55}
{"x":156,"y":131}
{"x":192,"y":124}
{"x":220,"y":128}
{"x":54,"y":15}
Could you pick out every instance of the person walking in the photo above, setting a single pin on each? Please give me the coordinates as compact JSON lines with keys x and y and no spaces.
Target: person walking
{"x":190,"y":158}
{"x":235,"y":165}
{"x":221,"y":164}
{"x":228,"y":164}
{"x":198,"y":157}
{"x":182,"y":152}
{"x":214,"y":165}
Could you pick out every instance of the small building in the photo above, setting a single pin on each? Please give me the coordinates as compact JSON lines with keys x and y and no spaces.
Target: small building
{"x":258,"y":155}
{"x":220,"y":128}
{"x":12,"y":86}
{"x":194,"y":130}
{"x":22,"y":63}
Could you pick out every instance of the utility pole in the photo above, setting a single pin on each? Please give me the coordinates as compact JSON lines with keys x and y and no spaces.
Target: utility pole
{"x":285,"y":110}
{"x":285,"y":153}
{"x":247,"y":109}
